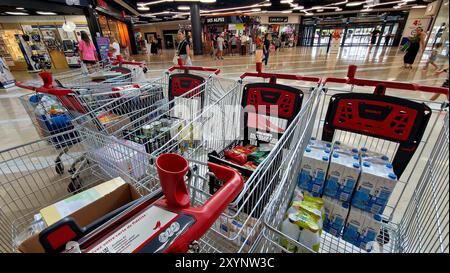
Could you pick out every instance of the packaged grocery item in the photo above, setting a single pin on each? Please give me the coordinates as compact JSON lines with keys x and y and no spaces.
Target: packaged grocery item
{"x":343,"y":174}
{"x":309,"y":230}
{"x":250,"y":165}
{"x":374,"y":187}
{"x":319,"y":144}
{"x":292,"y":230}
{"x":336,"y":213}
{"x":313,"y":170}
{"x":344,"y":148}
{"x":235,"y":157}
{"x":375,"y":157}
{"x":362,"y":228}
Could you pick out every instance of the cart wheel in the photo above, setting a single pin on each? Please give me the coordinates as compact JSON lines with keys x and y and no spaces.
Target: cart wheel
{"x":74,"y":186}
{"x":59,"y":167}
{"x":383,"y":238}
{"x":145,"y":69}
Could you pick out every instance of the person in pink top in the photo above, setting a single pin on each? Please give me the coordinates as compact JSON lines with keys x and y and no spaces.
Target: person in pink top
{"x":87,"y":49}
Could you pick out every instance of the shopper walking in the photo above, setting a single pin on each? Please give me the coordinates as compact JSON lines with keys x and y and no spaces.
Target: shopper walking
{"x":220,"y":46}
{"x":233,"y":41}
{"x":88,"y":52}
{"x":417,"y":42}
{"x":115,"y":47}
{"x":153,"y":47}
{"x":159,"y":44}
{"x":433,"y":56}
{"x":266,"y":48}
{"x":183,"y":50}
{"x":244,"y":40}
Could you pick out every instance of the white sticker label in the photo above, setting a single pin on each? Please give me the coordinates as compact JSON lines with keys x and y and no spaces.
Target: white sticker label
{"x":135,"y":232}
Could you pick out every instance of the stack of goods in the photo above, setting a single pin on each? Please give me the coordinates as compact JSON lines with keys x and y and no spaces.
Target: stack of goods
{"x":157,"y":134}
{"x":376,"y":184}
{"x":248,"y":157}
{"x":314,"y":167}
{"x":52,"y":118}
{"x":355,"y":192}
{"x":242,"y":228}
{"x":303,"y":223}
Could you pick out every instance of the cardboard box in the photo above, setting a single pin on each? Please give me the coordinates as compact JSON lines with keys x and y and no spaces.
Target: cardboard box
{"x":343,"y":174}
{"x":89,"y":213}
{"x":374,"y":187}
{"x":63,"y":208}
{"x":362,"y":228}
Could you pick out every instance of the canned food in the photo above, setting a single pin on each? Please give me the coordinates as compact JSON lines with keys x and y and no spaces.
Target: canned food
{"x":148,"y":130}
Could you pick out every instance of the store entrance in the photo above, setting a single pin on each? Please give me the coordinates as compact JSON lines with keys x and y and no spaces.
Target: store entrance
{"x":170,"y":39}
{"x":359,"y":35}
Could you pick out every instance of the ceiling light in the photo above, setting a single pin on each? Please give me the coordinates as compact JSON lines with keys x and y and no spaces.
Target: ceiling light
{"x":319,"y":10}
{"x":354,"y":4}
{"x":143,"y":8}
{"x":419,"y":7}
{"x":338,"y":9}
{"x":286,"y":1}
{"x":207,"y":1}
{"x":184,"y":8}
{"x":299,"y":7}
{"x":16,"y":13}
{"x":286,"y":11}
{"x":45,"y":13}
{"x":267,"y":4}
{"x":19,"y":8}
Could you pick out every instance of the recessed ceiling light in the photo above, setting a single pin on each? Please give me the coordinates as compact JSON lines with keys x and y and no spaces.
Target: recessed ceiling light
{"x":184,"y":8}
{"x":143,"y":8}
{"x":419,"y":7}
{"x":286,"y":11}
{"x":319,"y":10}
{"x":45,"y":13}
{"x":286,"y":1}
{"x":19,"y":8}
{"x":354,"y":4}
{"x":16,"y":13}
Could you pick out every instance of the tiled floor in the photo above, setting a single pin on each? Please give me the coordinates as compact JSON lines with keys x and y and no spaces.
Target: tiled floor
{"x":373,"y":63}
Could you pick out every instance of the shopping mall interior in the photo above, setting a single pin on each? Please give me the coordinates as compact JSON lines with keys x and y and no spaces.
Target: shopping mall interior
{"x":399,"y":48}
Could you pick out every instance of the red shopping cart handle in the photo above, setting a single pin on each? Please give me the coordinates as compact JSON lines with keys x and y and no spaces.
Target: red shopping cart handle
{"x":47,"y":87}
{"x":351,"y":79}
{"x":119,"y":60}
{"x":274,"y":76}
{"x":195,"y":68}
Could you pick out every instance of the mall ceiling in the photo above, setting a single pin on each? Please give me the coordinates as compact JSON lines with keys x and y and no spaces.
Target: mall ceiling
{"x":158,"y":10}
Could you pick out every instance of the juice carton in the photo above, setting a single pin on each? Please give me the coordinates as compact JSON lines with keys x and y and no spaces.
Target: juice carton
{"x":336,"y":213}
{"x":375,"y":186}
{"x":343,"y":173}
{"x":313,"y":170}
{"x":362,"y":228}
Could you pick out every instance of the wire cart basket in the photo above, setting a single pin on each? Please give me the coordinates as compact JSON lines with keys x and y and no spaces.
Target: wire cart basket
{"x":414,"y":135}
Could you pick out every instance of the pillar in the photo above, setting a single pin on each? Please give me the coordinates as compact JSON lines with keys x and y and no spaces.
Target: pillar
{"x":196,"y":29}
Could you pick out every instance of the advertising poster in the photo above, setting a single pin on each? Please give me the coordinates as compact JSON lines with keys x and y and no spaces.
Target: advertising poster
{"x":6,"y":78}
{"x":103,"y":47}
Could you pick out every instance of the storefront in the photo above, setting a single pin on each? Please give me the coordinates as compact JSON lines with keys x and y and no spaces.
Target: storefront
{"x":439,"y":32}
{"x":283,"y":26}
{"x":36,"y":42}
{"x":112,"y":23}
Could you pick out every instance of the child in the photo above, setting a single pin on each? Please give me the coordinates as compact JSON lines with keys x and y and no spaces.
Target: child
{"x":433,"y":56}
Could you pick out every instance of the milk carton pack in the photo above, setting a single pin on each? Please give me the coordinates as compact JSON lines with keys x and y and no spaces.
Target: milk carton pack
{"x":319,"y":144}
{"x":343,"y":148}
{"x":343,"y":173}
{"x":336,"y":213}
{"x":371,"y":156}
{"x":313,"y":169}
{"x":375,"y":186}
{"x":362,"y":228}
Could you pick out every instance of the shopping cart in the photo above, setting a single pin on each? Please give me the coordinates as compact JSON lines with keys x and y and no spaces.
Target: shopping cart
{"x":223,"y":125}
{"x":412,"y":132}
{"x":50,"y":117}
{"x":30,"y":184}
{"x":116,"y":108}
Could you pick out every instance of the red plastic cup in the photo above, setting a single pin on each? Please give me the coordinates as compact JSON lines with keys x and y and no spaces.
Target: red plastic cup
{"x":171,"y":170}
{"x":180,"y":61}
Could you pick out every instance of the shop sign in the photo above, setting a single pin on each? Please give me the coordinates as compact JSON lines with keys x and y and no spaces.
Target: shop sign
{"x":240,"y":26}
{"x":215,"y":20}
{"x":284,"y":19}
{"x":231,"y":27}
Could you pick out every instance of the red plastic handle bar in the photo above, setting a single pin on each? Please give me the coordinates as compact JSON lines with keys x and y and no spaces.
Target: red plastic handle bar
{"x":351,"y":79}
{"x":281,"y":76}
{"x":196,"y":68}
{"x":60,"y":92}
{"x":119,"y":60}
{"x":207,"y":214}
